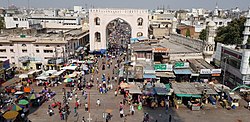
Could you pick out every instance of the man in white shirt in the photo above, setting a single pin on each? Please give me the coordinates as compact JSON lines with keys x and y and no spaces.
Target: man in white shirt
{"x":98,"y":102}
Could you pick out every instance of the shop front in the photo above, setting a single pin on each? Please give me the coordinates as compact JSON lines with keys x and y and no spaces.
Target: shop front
{"x":182,"y":74}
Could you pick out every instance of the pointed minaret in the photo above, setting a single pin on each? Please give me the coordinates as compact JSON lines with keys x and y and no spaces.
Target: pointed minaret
{"x":246,"y":32}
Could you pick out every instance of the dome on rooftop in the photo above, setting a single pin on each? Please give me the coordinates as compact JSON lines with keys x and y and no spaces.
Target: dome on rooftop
{"x":211,"y":24}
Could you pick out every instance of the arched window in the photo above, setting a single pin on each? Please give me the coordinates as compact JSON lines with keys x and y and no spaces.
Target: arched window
{"x":23,"y":45}
{"x":97,"y":21}
{"x":47,"y":45}
{"x":139,"y":34}
{"x":58,"y":45}
{"x":97,"y":37}
{"x":139,"y":21}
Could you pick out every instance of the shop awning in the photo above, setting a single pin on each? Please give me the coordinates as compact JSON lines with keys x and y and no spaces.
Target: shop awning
{"x":23,"y":76}
{"x":69,"y":68}
{"x":189,"y":95}
{"x":149,"y":76}
{"x":182,"y":71}
{"x":160,"y":91}
{"x":165,"y":74}
{"x":59,"y":73}
{"x":79,"y":49}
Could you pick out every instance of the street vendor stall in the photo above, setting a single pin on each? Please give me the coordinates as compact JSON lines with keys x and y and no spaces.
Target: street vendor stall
{"x":187,"y":94}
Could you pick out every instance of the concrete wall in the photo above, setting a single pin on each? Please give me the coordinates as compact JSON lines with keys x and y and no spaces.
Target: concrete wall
{"x":107,"y":15}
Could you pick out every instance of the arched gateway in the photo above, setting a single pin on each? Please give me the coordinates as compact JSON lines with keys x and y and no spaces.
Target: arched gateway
{"x":101,"y":19}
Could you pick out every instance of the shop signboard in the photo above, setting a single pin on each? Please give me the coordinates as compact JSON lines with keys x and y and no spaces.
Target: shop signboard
{"x":216,"y":71}
{"x":160,"y":50}
{"x":181,"y":65}
{"x":205,"y":71}
{"x":163,"y":67}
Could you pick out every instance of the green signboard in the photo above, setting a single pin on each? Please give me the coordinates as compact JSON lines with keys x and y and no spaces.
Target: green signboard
{"x":181,"y":65}
{"x":160,"y":67}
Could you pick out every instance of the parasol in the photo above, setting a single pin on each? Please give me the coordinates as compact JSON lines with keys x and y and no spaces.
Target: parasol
{"x":32,"y":96}
{"x":124,"y":85}
{"x":67,"y":80}
{"x":15,"y":107}
{"x":10,"y":115}
{"x":23,"y":102}
{"x":66,"y":76}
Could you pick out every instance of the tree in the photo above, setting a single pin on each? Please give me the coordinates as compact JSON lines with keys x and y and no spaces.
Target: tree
{"x":231,"y":34}
{"x":188,"y":33}
{"x":203,"y":34}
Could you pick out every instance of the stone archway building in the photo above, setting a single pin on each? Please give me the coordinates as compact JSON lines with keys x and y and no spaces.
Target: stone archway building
{"x":100,"y":18}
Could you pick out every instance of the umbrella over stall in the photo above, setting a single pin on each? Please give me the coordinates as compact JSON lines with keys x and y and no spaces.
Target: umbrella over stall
{"x":68,"y":80}
{"x":15,"y":107}
{"x":10,"y":115}
{"x":23,"y":102}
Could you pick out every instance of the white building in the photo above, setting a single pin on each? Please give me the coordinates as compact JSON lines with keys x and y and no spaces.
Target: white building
{"x":237,"y":63}
{"x":16,"y":21}
{"x":40,"y":48}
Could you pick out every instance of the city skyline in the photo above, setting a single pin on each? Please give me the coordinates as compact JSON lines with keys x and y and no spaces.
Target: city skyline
{"x":147,"y":4}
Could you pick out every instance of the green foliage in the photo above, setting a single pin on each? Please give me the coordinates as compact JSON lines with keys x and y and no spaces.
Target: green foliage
{"x":231,"y":34}
{"x":203,"y":34}
{"x":188,"y":33}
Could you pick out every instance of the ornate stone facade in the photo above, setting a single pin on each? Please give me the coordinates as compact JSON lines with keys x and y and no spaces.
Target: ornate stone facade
{"x":100,"y":18}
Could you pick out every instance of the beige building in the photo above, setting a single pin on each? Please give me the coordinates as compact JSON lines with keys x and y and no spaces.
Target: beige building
{"x":21,"y":50}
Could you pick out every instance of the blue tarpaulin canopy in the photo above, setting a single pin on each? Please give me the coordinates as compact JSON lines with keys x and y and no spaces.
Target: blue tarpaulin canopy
{"x":149,"y":76}
{"x":182,"y":71}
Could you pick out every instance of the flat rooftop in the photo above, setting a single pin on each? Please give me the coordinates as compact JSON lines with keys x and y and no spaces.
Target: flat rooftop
{"x":176,"y":47}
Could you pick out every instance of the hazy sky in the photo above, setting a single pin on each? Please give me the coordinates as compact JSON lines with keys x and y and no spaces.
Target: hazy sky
{"x":148,"y":4}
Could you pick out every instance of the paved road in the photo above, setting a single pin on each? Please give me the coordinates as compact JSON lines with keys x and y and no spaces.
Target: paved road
{"x":109,"y":101}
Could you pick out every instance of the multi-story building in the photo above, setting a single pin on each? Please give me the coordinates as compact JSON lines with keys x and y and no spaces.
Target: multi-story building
{"x":23,"y":49}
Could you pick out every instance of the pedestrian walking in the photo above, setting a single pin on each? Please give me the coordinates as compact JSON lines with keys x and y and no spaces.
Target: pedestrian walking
{"x":83,"y":119}
{"x":86,"y":106}
{"x":115,"y":93}
{"x":75,"y":111}
{"x":121,"y":113}
{"x":98,"y":102}
{"x":131,"y":109}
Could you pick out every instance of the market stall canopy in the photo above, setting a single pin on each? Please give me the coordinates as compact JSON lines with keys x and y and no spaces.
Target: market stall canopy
{"x":165,"y":74}
{"x":23,"y":102}
{"x":185,"y":89}
{"x":160,"y":91}
{"x":67,"y":80}
{"x":15,"y":107}
{"x":50,"y":72}
{"x":10,"y":115}
{"x":26,"y":89}
{"x":23,"y":76}
{"x":33,"y":96}
{"x":19,"y":93}
{"x":149,"y":76}
{"x":42,"y":77}
{"x":31,"y":72}
{"x":133,"y":89}
{"x":59,"y":72}
{"x":69,"y":68}
{"x":124,"y":85}
{"x":182,"y":72}
{"x":73,"y":75}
